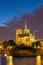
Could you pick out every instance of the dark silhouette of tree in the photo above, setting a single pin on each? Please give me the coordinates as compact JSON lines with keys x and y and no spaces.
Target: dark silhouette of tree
{"x":37,"y":44}
{"x":8,"y":43}
{"x":5,"y":44}
{"x":11,"y":43}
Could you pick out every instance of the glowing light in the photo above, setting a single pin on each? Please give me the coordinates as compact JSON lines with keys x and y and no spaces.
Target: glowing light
{"x":10,"y":61}
{"x":38,"y":47}
{"x":0,"y":46}
{"x":7,"y":60}
{"x":10,"y":58}
{"x":5,"y":55}
{"x":38,"y":60}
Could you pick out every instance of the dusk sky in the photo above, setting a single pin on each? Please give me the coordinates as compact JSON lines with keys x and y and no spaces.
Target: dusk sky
{"x":13,"y":14}
{"x":11,"y":8}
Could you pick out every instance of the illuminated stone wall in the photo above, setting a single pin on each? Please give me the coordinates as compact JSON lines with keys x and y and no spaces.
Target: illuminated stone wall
{"x":24,"y":37}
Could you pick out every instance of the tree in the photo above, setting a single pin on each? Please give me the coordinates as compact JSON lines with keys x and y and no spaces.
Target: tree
{"x":5,"y":44}
{"x":36,"y":44}
{"x":11,"y":43}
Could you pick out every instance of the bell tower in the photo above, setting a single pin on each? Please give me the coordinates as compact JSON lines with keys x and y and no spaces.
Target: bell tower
{"x":26,"y":30}
{"x":18,"y":31}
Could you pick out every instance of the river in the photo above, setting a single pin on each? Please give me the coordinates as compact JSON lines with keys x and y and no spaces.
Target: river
{"x":9,"y":60}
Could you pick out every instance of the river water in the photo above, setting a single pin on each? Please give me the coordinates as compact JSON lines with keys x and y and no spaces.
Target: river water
{"x":9,"y":60}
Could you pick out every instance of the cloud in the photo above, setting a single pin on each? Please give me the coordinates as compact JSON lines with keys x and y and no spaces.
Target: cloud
{"x":34,"y":23}
{"x":6,"y":34}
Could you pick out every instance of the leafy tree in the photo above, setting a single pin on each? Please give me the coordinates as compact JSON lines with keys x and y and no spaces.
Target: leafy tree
{"x":36,"y":46}
{"x":5,"y":44}
{"x":37,"y":43}
{"x":11,"y":43}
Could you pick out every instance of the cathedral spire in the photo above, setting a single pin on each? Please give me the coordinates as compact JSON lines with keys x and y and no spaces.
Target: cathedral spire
{"x":25,"y":28}
{"x":25,"y":25}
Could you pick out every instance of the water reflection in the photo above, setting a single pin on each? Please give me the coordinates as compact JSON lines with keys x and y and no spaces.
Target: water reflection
{"x":38,"y":60}
{"x":0,"y":59}
{"x":3,"y":60}
{"x":9,"y":60}
{"x":24,"y":61}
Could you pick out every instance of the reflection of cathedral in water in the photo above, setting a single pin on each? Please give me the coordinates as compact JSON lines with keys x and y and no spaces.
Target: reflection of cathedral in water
{"x":24,"y":37}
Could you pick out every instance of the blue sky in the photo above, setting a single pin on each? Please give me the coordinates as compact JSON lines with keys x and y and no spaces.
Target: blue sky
{"x":11,"y":8}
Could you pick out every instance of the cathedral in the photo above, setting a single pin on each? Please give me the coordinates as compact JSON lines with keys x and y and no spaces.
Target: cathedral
{"x":24,"y":37}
